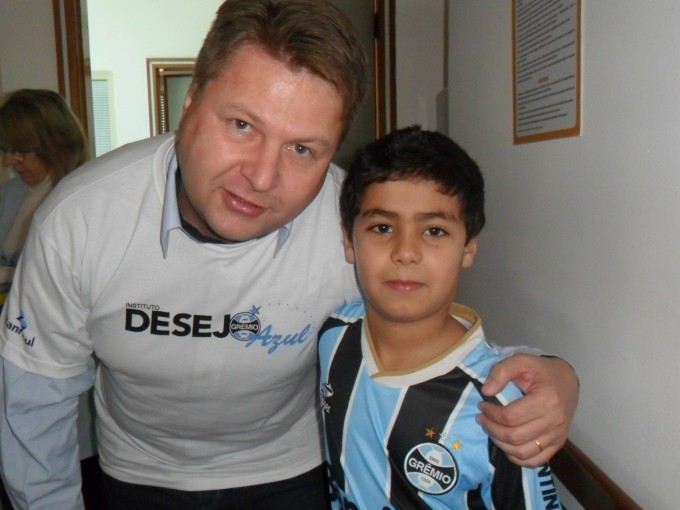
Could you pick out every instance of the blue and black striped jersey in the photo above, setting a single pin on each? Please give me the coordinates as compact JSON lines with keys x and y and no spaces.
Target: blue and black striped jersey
{"x":409,"y":440}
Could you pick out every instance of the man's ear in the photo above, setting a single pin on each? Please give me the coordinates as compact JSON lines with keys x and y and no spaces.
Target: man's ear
{"x":469,"y":253}
{"x":348,"y":245}
{"x":189,"y":97}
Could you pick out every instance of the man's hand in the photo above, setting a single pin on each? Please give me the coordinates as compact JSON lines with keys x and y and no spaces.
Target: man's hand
{"x":533,"y":428}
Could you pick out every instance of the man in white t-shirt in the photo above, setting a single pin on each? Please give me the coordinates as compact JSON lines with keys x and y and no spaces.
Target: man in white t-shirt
{"x":198,"y":268}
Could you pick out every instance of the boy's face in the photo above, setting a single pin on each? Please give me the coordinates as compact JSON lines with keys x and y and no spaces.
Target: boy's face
{"x":408,"y":246}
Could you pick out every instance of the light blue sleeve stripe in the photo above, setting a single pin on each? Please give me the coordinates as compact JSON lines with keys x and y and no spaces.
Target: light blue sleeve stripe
{"x":39,"y":459}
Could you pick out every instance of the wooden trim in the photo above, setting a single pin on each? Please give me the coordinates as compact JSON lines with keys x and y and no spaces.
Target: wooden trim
{"x":587,"y":483}
{"x":379,"y":55}
{"x":78,"y":61}
{"x":385,"y":67}
{"x":73,"y":59}
{"x":392,"y":41}
{"x":59,"y":40}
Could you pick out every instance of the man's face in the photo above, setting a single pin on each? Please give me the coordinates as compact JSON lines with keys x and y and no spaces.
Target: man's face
{"x":254,"y":146}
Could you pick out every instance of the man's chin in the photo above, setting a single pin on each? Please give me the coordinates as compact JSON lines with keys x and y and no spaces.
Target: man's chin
{"x":236,"y":235}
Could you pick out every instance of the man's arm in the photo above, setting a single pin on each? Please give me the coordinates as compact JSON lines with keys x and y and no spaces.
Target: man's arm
{"x":39,"y":457}
{"x":533,"y":428}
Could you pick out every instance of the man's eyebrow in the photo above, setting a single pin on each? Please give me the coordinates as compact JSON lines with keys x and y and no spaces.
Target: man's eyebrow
{"x":237,"y":110}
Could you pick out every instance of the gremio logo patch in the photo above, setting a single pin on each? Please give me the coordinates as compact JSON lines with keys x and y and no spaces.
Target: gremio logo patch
{"x":430,"y":468}
{"x":244,"y":326}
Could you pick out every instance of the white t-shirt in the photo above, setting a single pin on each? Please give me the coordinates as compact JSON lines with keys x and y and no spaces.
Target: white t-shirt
{"x":207,"y":357}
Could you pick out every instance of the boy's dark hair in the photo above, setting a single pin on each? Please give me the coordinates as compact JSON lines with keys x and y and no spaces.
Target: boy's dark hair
{"x":415,"y":155}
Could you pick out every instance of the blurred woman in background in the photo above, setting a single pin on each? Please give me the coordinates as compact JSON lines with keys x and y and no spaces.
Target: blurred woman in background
{"x":40,"y":141}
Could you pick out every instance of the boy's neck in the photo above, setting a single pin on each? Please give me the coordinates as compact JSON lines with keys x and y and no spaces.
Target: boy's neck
{"x":399,"y":346}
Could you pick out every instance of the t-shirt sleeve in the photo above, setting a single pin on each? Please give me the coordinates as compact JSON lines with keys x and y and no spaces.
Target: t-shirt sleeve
{"x":44,"y":317}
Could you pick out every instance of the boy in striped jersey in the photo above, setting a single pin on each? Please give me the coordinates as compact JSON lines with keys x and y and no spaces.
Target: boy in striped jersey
{"x":401,"y":372}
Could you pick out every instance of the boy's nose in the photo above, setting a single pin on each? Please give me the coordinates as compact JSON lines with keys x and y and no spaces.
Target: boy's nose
{"x":406,"y":249}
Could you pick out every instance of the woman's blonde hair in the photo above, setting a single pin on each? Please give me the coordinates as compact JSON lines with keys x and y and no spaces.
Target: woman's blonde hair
{"x":40,"y":121}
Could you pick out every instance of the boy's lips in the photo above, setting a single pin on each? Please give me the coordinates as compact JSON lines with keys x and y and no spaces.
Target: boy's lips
{"x":404,"y":285}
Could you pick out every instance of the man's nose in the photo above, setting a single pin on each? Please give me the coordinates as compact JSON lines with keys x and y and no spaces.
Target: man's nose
{"x":263,"y":167}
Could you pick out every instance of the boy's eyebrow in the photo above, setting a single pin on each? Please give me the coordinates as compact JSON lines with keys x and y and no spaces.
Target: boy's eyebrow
{"x":369,"y":213}
{"x":378,"y":212}
{"x":437,"y":215}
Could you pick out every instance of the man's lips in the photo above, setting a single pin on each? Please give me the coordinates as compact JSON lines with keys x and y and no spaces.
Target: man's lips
{"x":242,"y":206}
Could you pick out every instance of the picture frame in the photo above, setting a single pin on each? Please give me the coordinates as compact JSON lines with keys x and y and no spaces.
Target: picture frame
{"x":168,"y":82}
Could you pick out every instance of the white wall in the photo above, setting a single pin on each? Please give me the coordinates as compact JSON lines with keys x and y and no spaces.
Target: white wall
{"x":419,"y":47}
{"x":20,"y":22}
{"x":581,"y":255}
{"x":124,"y":33}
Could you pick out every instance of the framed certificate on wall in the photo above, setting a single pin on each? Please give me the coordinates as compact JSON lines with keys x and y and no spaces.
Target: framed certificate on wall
{"x":546,"y":65}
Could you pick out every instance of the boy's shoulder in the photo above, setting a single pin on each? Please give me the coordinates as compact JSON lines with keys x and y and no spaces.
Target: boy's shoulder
{"x":345,"y":314}
{"x":344,"y":322}
{"x":350,"y":312}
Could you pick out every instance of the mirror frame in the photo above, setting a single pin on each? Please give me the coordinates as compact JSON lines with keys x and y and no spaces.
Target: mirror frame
{"x":158,"y":70}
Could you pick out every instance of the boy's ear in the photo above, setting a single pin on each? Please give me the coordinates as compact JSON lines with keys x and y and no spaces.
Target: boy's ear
{"x":348,"y":245}
{"x":469,"y":253}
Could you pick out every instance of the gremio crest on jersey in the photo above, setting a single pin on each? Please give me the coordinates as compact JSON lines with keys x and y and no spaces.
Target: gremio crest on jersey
{"x":431,"y":468}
